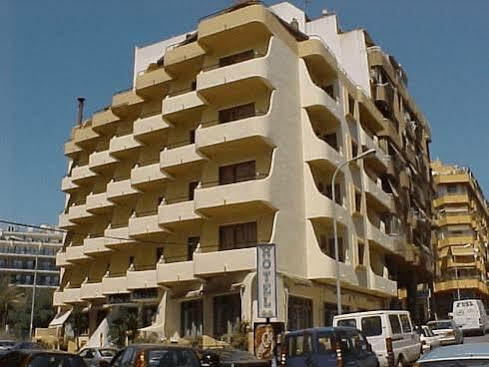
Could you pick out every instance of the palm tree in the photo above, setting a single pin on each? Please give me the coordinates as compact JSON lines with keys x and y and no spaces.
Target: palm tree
{"x":9,"y":295}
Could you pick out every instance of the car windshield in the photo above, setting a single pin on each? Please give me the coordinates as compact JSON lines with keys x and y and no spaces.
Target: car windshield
{"x":440,"y":325}
{"x":171,"y":358}
{"x":6,"y":343}
{"x":457,"y":363}
{"x":108,"y":352}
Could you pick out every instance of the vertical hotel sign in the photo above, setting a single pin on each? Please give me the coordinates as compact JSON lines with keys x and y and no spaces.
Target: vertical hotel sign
{"x":267,"y":280}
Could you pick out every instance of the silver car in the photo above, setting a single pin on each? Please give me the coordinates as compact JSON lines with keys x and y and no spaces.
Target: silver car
{"x":93,"y":356}
{"x":467,"y":355}
{"x":448,"y":331}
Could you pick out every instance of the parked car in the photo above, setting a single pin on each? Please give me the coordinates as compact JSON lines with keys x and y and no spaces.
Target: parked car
{"x":93,"y":356}
{"x":27,"y":345}
{"x":6,"y":344}
{"x":38,"y":358}
{"x":154,"y":355}
{"x":448,"y":331}
{"x":470,"y":315}
{"x":391,"y":334}
{"x":227,"y":357}
{"x":429,"y":340}
{"x":467,"y":355}
{"x":324,"y":346}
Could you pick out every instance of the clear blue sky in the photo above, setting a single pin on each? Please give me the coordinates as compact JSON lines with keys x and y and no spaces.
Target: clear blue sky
{"x":53,"y":51}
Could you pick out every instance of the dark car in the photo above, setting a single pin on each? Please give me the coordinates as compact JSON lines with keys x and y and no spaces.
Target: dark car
{"x":154,"y":355}
{"x":37,"y":358}
{"x":226,"y":357}
{"x":27,"y":345}
{"x":324,"y":346}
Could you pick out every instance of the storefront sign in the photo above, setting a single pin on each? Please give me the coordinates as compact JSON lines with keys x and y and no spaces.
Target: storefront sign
{"x":267,"y":280}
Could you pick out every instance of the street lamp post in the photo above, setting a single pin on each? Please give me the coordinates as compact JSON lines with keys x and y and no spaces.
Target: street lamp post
{"x":336,"y":252}
{"x":34,"y":291}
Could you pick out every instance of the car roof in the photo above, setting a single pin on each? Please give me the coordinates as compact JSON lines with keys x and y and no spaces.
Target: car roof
{"x":435,"y":321}
{"x":374,"y":312}
{"x":460,"y":351}
{"x":159,"y":346}
{"x":43,"y":351}
{"x":324,"y":329}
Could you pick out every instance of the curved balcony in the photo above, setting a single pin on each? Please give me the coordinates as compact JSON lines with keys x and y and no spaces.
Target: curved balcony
{"x":75,"y":254}
{"x":124,"y":145}
{"x":72,"y":295}
{"x":91,"y":291}
{"x":451,"y":199}
{"x":240,"y":135}
{"x":116,"y":236}
{"x":153,"y":83}
{"x":61,"y":260}
{"x":64,"y":222}
{"x":178,"y":214}
{"x":452,"y":285}
{"x":114,"y":284}
{"x":67,"y":185}
{"x":316,"y":150}
{"x":320,"y":207}
{"x":79,"y":214}
{"x":95,"y":246}
{"x":126,"y":104}
{"x":454,"y":220}
{"x":72,"y":150}
{"x":318,"y":55}
{"x":98,"y":203}
{"x":101,"y":161}
{"x":382,"y":239}
{"x":84,"y":136}
{"x":184,"y":58}
{"x":150,"y":128}
{"x":82,"y":174}
{"x":180,"y":159}
{"x":175,"y":273}
{"x":380,"y":157}
{"x":252,"y":197}
{"x":316,"y":100}
{"x":121,"y":190}
{"x":375,"y":191}
{"x":140,"y":279}
{"x":223,"y":262}
{"x":148,"y":177}
{"x":182,"y":107}
{"x":240,"y":80}
{"x":104,"y":121}
{"x":382,"y":286}
{"x":321,"y":267}
{"x":146,"y":227}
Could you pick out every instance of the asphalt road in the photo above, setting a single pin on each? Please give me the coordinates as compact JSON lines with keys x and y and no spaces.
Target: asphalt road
{"x":476,"y":339}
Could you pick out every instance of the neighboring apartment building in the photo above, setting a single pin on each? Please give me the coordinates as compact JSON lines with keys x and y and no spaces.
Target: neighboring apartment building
{"x":19,"y":249}
{"x":229,"y":138}
{"x":461,"y":233}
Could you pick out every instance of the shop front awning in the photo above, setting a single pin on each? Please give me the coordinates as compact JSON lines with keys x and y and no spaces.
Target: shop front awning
{"x":60,"y":319}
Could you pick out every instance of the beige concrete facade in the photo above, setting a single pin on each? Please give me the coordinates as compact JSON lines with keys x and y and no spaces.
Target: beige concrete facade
{"x":230,"y":140}
{"x":461,"y":236}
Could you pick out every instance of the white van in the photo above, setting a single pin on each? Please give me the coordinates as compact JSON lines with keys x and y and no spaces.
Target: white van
{"x":390,"y":333}
{"x":470,"y":315}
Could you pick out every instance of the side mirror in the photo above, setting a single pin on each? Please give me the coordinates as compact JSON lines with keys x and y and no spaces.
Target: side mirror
{"x":104,"y":364}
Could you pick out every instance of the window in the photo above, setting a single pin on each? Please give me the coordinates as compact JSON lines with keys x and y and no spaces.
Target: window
{"x":348,"y":323}
{"x":191,"y":188}
{"x":330,"y":250}
{"x":131,"y":260}
{"x":372,"y":326}
{"x":191,"y":136}
{"x":406,"y":325}
{"x":329,"y":89}
{"x":358,"y":201}
{"x":354,"y":149}
{"x":237,"y":236}
{"x":234,"y":59}
{"x":192,"y":243}
{"x":237,"y":113}
{"x":300,"y":313}
{"x":361,"y":253}
{"x":351,"y":105}
{"x":191,"y":317}
{"x":160,"y":251}
{"x":227,"y":314}
{"x":237,"y":173}
{"x":452,"y":189}
{"x":299,"y":345}
{"x":326,"y":344}
{"x":395,"y":324}
{"x":337,"y":192}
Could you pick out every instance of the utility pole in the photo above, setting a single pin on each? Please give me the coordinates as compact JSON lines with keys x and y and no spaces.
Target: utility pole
{"x":34,"y":291}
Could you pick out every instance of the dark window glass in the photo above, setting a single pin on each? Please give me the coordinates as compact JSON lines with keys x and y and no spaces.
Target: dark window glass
{"x":348,"y":323}
{"x":192,"y":243}
{"x":237,"y":236}
{"x":191,"y":318}
{"x":406,"y":325}
{"x":300,"y":313}
{"x":237,"y":173}
{"x":372,"y":326}
{"x":331,"y":250}
{"x":299,"y":345}
{"x":192,"y":136}
{"x":237,"y":113}
{"x":234,"y":59}
{"x":395,"y":324}
{"x":191,"y":188}
{"x":227,"y":314}
{"x":332,"y":140}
